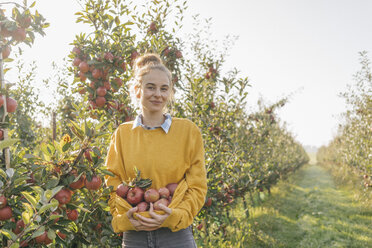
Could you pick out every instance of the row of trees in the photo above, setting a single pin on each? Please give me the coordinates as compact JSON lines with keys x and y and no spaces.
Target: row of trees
{"x":352,"y":146}
{"x":54,"y":190}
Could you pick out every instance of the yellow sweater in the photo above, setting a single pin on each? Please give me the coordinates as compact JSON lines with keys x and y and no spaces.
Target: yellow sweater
{"x":175,"y":157}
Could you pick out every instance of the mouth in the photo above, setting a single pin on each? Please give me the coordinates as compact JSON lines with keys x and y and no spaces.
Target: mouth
{"x":155,"y":102}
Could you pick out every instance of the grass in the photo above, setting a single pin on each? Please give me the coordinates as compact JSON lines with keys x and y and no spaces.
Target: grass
{"x":308,"y":210}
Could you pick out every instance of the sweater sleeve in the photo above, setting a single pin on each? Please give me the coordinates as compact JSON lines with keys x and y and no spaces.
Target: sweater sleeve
{"x":115,"y":164}
{"x":183,"y":214}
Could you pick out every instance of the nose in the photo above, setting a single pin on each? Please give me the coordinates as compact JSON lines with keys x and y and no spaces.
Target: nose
{"x":157,"y":93}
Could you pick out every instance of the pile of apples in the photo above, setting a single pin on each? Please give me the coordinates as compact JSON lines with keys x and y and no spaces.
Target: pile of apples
{"x":137,"y":196}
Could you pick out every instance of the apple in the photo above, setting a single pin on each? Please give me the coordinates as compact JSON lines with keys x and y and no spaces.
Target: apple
{"x":24,"y":243}
{"x":97,"y":73}
{"x":41,"y":238}
{"x":178,"y":54}
{"x":164,"y":192}
{"x":61,"y":235}
{"x":163,"y":201}
{"x":1,"y":137}
{"x":76,"y":50}
{"x":63,"y":196}
{"x":172,"y":187}
{"x":19,"y":227}
{"x":6,"y":213}
{"x":365,"y":176}
{"x":76,"y":61}
{"x":82,"y":76}
{"x":151,"y":195}
{"x":135,"y":195}
{"x":87,"y":154}
{"x":19,"y":34}
{"x":84,"y":67}
{"x":100,"y":101}
{"x":11,"y":105}
{"x":2,"y":99}
{"x":107,"y":85}
{"x":118,"y":82}
{"x":200,"y":226}
{"x":3,"y":201}
{"x":101,"y":91}
{"x":94,"y":184}
{"x":208,"y":202}
{"x":72,"y":214}
{"x":153,"y":27}
{"x":6,"y":52}
{"x":166,"y":51}
{"x":79,"y":183}
{"x":142,"y":207}
{"x":24,"y":21}
{"x":108,"y":56}
{"x":122,"y":190}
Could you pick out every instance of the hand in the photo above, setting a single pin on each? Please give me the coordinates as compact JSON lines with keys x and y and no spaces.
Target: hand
{"x":148,"y":224}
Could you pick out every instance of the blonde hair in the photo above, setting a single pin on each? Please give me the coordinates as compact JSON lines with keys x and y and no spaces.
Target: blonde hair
{"x":146,"y":63}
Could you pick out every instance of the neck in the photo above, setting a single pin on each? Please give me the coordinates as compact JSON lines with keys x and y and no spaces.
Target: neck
{"x":152,"y":119}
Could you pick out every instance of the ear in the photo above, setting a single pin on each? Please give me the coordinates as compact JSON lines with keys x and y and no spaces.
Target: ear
{"x":137,"y":90}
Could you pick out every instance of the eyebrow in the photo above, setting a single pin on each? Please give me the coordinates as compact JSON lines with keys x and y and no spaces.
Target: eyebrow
{"x":160,"y":86}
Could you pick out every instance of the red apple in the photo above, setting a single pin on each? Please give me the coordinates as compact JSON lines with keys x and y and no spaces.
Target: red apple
{"x":84,"y":67}
{"x":122,"y":190}
{"x":135,"y":195}
{"x":108,"y":56}
{"x":76,"y":50}
{"x":19,"y":227}
{"x":178,"y":54}
{"x":11,"y":105}
{"x":61,"y":235}
{"x":72,"y":214}
{"x":3,"y":201}
{"x":6,"y":52}
{"x":19,"y":34}
{"x":100,"y":101}
{"x":97,"y":73}
{"x":172,"y":187}
{"x":163,"y":201}
{"x":142,"y":207}
{"x":208,"y":202}
{"x":63,"y":196}
{"x":94,"y":184}
{"x":79,"y":183}
{"x":151,"y":195}
{"x":6,"y":213}
{"x":41,"y":238}
{"x":164,"y":192}
{"x":200,"y":226}
{"x":101,"y":91}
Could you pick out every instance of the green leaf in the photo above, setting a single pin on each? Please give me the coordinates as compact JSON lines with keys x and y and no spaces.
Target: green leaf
{"x":10,"y":172}
{"x":46,"y":207}
{"x":30,"y":198}
{"x":66,"y":147}
{"x":2,"y":173}
{"x":7,"y":143}
{"x":14,"y":245}
{"x":32,"y":5}
{"x":40,"y":231}
{"x":28,"y":213}
{"x":7,"y":233}
{"x":51,"y":234}
{"x":108,"y":173}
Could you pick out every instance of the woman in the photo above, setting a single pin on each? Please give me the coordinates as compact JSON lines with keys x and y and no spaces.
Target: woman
{"x":165,"y":150}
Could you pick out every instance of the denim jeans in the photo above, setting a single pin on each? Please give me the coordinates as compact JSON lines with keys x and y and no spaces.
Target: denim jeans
{"x":160,"y":238}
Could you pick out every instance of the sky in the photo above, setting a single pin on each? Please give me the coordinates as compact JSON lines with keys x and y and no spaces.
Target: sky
{"x":305,"y":48}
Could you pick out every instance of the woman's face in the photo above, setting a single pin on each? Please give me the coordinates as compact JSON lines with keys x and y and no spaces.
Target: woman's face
{"x":155,"y":91}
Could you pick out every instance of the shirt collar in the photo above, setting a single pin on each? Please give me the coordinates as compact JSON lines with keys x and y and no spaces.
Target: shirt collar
{"x":165,"y":126}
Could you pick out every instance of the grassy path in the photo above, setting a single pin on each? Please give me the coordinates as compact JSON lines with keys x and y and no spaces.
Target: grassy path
{"x":311,"y":212}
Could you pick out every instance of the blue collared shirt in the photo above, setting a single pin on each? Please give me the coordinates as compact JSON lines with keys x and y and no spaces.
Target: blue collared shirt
{"x":165,"y":126}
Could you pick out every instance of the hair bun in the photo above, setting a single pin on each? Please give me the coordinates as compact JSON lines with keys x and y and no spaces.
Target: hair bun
{"x":147,"y":59}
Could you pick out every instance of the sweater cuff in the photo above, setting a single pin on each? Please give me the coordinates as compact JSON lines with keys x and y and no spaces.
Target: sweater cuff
{"x":121,"y":223}
{"x":173,"y":219}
